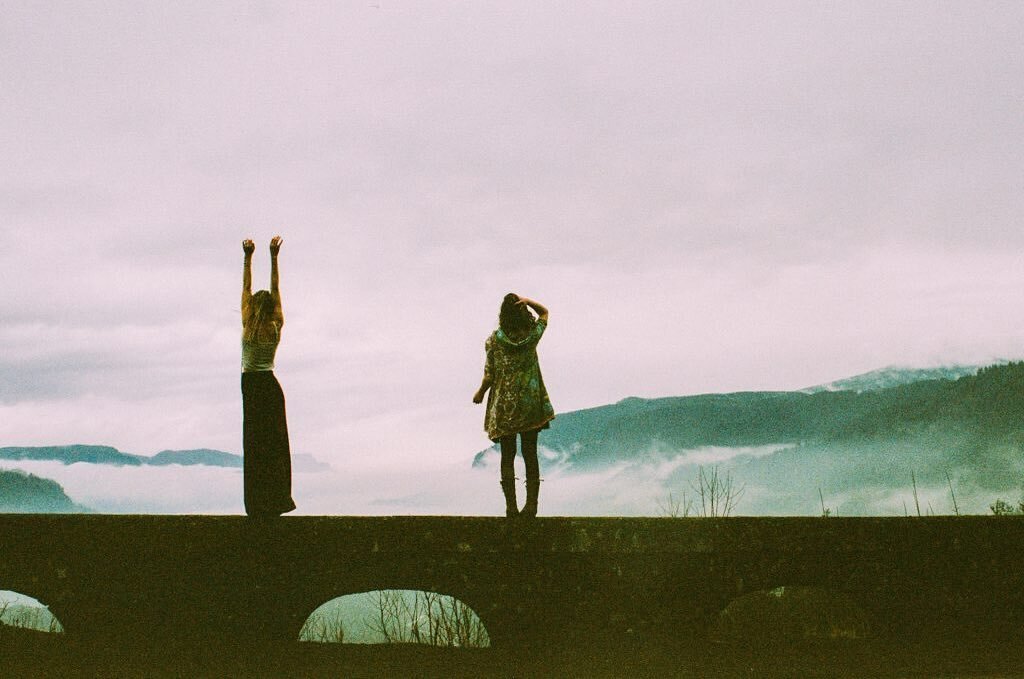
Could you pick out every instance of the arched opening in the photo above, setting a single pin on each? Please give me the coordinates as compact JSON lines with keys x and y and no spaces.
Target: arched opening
{"x":24,"y":612}
{"x":403,"y":616}
{"x":791,"y":614}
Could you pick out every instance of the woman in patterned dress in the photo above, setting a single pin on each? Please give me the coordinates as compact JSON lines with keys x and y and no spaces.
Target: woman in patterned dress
{"x":518,"y":403}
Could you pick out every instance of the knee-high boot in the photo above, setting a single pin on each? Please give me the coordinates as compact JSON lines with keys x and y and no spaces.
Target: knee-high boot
{"x":508,"y":487}
{"x":532,"y":490}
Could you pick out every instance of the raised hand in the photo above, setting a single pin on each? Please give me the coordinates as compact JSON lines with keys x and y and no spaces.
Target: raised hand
{"x":248,"y":247}
{"x":275,"y":245}
{"x":541,"y":310}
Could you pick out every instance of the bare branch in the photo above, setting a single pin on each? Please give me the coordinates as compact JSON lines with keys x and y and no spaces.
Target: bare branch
{"x":956,"y":508}
{"x":718,"y":494}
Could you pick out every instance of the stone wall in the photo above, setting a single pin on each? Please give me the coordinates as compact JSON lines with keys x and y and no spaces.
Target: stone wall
{"x":547,"y":583}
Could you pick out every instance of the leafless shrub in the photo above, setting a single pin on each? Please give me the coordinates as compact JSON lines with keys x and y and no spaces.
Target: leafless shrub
{"x":29,"y":617}
{"x":675,"y":507}
{"x":324,"y":626}
{"x":717,"y":493}
{"x":917,"y":503}
{"x":1003,"y":508}
{"x":956,"y":507}
{"x":426,"y":618}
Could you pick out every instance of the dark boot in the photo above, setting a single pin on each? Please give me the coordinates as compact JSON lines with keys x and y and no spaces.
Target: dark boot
{"x":532,"y":490}
{"x":508,"y":487}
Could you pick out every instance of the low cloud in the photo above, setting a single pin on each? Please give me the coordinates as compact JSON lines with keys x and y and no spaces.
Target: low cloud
{"x":636,"y":488}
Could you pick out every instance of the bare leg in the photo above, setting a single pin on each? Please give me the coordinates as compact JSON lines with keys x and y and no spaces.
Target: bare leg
{"x":508,"y":474}
{"x":532,"y":472}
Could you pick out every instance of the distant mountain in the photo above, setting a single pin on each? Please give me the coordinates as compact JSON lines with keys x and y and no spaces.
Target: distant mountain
{"x":110,"y":455}
{"x":635,"y":427}
{"x":218,"y":458}
{"x":980,"y":409}
{"x":28,"y":493}
{"x":205,"y":456}
{"x":72,"y":454}
{"x":894,"y":376}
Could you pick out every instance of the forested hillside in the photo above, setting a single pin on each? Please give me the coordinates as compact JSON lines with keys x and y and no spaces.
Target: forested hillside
{"x":985,"y":406}
{"x":21,"y":492}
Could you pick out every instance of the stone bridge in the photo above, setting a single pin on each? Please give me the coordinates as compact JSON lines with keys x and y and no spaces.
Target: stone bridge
{"x":550,"y":582}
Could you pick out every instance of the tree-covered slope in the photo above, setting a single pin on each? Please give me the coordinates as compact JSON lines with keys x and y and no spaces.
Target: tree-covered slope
{"x":21,"y":492}
{"x":985,"y":406}
{"x":71,"y":454}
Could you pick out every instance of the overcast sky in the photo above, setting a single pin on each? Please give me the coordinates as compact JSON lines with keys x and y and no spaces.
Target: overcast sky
{"x":708,"y":196}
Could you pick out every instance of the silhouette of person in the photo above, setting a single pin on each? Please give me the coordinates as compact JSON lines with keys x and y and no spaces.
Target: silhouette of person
{"x":267,"y":464}
{"x":518,"y":402}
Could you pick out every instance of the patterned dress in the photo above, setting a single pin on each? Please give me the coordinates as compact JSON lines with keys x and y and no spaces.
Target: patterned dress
{"x":517,"y":401}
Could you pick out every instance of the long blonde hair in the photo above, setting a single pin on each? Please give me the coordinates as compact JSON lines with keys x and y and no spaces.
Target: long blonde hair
{"x":261,"y":317}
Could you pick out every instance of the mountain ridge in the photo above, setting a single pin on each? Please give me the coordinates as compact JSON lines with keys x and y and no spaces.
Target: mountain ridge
{"x":102,"y":454}
{"x":895,"y":375}
{"x":632,"y":427}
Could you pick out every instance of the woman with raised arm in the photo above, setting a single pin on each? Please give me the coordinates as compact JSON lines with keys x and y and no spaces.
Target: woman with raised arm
{"x":267,"y":463}
{"x":518,"y":403}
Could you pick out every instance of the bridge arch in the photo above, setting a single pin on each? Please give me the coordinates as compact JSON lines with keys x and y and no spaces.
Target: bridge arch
{"x":397,"y":615}
{"x":488,"y":587}
{"x":791,"y":613}
{"x":21,"y":610}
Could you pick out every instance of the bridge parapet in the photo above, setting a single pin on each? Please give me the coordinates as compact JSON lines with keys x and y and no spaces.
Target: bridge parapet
{"x":549,"y":582}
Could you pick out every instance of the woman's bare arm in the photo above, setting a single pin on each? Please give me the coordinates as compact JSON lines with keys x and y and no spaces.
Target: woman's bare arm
{"x":478,"y":397}
{"x":275,"y":290}
{"x":247,"y":248}
{"x":542,"y":311}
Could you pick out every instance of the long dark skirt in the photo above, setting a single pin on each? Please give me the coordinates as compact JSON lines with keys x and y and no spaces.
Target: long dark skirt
{"x":267,"y":460}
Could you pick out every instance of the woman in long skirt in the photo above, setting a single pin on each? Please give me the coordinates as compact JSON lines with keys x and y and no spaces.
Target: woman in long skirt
{"x":518,"y":403}
{"x":267,"y":464}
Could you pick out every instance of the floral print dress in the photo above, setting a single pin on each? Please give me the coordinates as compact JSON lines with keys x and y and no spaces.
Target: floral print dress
{"x":518,"y":400}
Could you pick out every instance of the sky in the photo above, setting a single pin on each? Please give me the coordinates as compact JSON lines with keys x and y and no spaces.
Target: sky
{"x":707,"y":196}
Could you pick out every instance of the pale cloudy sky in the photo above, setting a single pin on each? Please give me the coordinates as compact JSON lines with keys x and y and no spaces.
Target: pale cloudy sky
{"x":708,"y":196}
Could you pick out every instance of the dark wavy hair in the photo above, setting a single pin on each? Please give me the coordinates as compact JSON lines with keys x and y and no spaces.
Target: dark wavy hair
{"x":514,"y":318}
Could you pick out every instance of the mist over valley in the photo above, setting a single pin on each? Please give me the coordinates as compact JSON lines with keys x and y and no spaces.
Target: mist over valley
{"x":863,"y":447}
{"x":853,"y":447}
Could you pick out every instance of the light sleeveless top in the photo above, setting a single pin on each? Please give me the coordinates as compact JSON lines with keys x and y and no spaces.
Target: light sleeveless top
{"x":258,"y":356}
